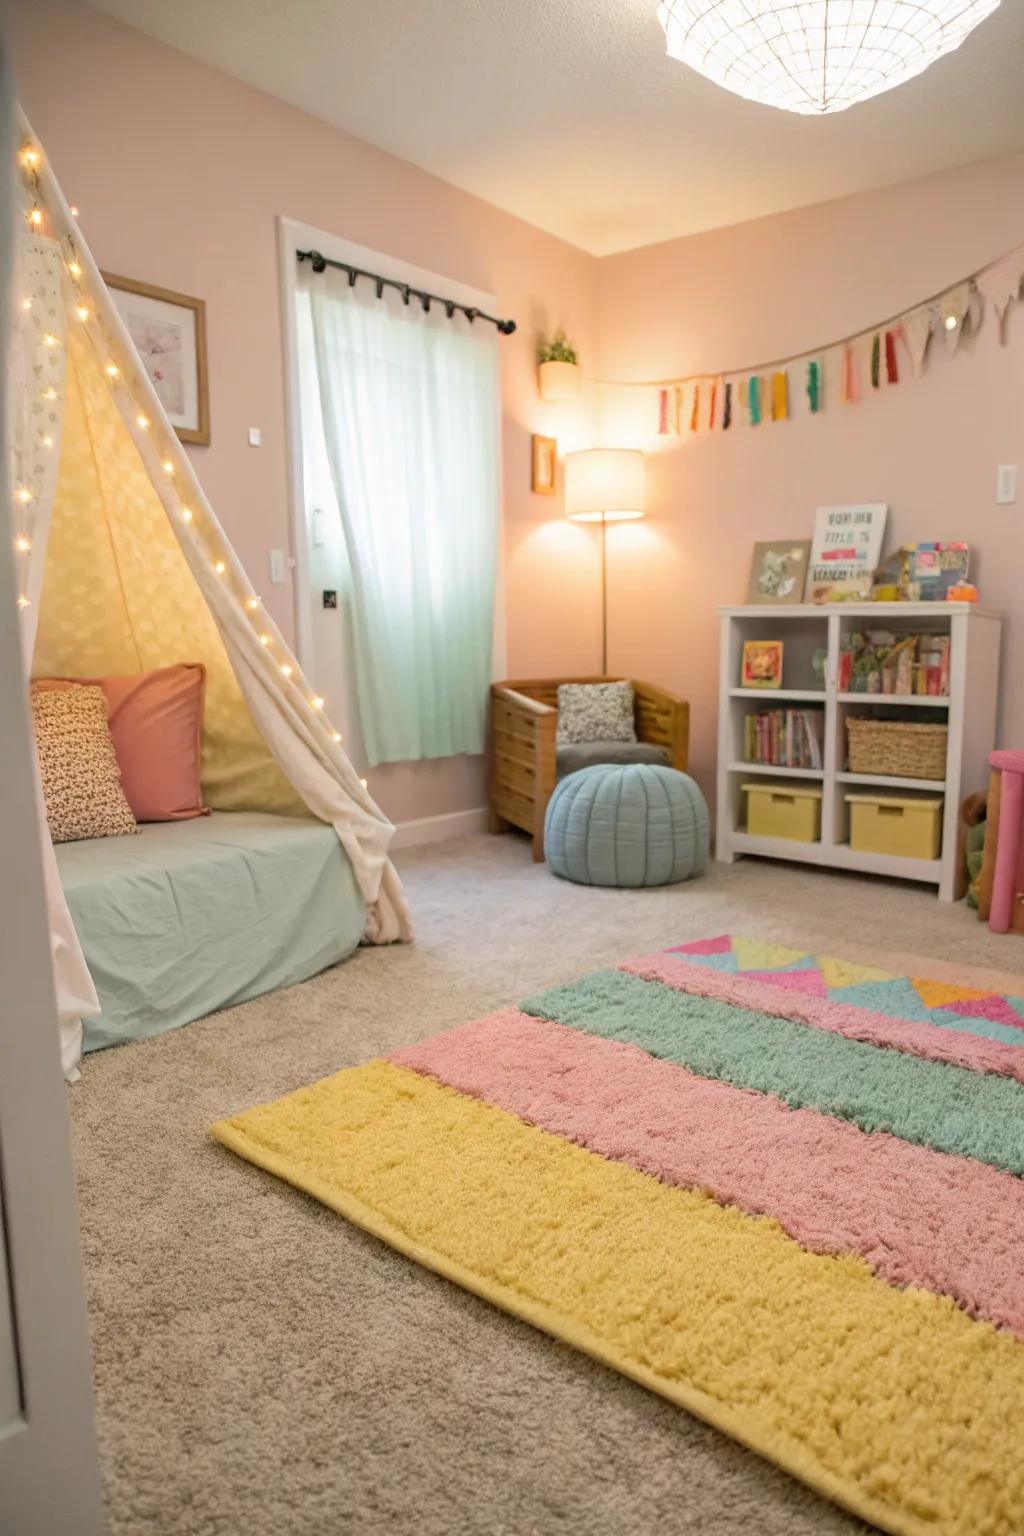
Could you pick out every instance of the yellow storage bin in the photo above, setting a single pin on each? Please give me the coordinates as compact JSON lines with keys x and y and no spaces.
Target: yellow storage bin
{"x":784,"y":810}
{"x":907,"y":828}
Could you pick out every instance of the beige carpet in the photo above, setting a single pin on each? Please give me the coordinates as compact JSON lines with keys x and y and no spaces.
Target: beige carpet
{"x":264,"y":1369}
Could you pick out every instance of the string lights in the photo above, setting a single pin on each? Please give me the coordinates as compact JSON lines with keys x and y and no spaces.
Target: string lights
{"x":31,"y":160}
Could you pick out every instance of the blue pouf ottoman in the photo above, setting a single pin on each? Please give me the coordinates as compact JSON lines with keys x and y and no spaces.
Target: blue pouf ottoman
{"x":626,"y":825}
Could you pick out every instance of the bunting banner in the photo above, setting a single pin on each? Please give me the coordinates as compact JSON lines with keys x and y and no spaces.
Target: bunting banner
{"x":874,"y":359}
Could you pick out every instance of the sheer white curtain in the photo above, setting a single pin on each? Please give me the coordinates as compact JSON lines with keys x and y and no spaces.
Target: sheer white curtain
{"x":410,"y":404}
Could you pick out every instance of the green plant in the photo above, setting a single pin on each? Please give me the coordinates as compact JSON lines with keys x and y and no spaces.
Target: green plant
{"x":558,"y":350}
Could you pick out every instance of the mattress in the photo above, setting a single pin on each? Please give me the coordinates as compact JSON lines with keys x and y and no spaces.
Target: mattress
{"x":191,"y":916}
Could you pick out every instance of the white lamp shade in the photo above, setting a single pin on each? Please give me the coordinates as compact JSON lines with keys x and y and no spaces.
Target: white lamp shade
{"x":815,"y":56}
{"x":604,"y":485}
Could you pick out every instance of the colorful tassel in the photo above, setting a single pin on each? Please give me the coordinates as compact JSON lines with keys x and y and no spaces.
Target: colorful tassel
{"x":851,"y":378}
{"x":892,"y":373}
{"x":875,"y":360}
{"x":714,"y":405}
{"x":727,"y":408}
{"x":814,"y":385}
{"x":695,"y":412}
{"x":754,"y":400}
{"x":780,"y":396}
{"x":662,"y":412}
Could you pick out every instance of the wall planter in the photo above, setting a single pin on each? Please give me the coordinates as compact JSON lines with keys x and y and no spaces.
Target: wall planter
{"x":559,"y":381}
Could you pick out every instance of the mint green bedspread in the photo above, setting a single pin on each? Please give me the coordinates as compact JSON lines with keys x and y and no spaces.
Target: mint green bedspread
{"x":191,"y":916}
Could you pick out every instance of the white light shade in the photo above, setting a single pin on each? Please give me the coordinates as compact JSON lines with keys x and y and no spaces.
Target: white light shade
{"x":604,"y":485}
{"x":815,"y":56}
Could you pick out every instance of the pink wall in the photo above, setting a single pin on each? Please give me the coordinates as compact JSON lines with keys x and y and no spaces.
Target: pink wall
{"x":929,"y":448}
{"x":181,"y":172}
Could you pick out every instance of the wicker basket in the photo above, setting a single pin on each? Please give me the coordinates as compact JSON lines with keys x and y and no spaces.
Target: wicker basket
{"x":901,"y":748}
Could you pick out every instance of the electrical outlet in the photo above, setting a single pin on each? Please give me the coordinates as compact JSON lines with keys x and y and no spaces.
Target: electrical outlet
{"x":277,"y":566}
{"x":1006,"y":485}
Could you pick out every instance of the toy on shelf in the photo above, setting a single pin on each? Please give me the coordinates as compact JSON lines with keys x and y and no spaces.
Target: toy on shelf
{"x":879,"y":661}
{"x":925,"y":573}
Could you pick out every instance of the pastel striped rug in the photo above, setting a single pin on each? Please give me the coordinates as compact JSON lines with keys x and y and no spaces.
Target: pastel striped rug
{"x":782,"y":1190}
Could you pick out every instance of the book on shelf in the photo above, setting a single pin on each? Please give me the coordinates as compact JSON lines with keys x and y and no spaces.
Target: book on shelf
{"x":883,"y":663}
{"x":784,"y":738}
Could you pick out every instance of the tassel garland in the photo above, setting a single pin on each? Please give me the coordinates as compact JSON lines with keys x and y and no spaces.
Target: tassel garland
{"x":814,"y":386}
{"x":695,"y":412}
{"x":754,"y":400}
{"x":780,"y":397}
{"x":892,"y":373}
{"x":876,"y":348}
{"x":727,"y":407}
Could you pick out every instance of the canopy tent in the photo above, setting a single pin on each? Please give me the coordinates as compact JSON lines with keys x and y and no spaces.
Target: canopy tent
{"x":123,"y":567}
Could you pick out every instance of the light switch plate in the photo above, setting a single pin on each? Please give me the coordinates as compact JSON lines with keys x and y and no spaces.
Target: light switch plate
{"x":277,"y":566}
{"x":1006,"y":485}
{"x":255,"y":437}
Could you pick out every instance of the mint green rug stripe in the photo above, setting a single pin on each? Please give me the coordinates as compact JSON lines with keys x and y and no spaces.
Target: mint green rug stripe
{"x":931,"y":1103}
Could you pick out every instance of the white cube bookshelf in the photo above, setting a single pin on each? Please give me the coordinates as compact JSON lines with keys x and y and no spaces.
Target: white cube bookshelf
{"x":970,"y":711}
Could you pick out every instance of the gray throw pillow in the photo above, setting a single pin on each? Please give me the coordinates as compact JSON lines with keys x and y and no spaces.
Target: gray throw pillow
{"x":595,"y":712}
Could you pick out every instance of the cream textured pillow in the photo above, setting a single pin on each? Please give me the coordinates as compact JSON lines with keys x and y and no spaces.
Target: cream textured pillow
{"x":595,"y":712}
{"x":78,"y":766}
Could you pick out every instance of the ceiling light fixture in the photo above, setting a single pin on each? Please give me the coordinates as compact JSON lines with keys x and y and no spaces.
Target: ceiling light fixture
{"x":815,"y":56}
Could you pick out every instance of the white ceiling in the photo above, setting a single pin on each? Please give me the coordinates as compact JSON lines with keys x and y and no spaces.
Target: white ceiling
{"x":568,"y":113}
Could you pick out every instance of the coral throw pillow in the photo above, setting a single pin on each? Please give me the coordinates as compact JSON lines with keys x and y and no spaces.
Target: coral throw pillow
{"x":78,"y":765}
{"x":156,"y":721}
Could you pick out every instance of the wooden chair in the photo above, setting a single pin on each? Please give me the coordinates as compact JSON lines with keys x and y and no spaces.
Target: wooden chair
{"x":524,"y":728}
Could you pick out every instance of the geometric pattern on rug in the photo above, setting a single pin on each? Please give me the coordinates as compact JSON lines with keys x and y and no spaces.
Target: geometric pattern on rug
{"x":782,"y":1190}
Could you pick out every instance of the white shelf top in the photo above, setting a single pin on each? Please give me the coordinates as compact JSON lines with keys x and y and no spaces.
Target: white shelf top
{"x":857,"y":610}
{"x":915,"y":700}
{"x":811,"y":695}
{"x":889,"y":781}
{"x":783,"y":773}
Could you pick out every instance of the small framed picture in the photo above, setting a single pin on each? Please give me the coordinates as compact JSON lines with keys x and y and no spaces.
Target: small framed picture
{"x":777,"y":571}
{"x":169,"y":332}
{"x":544,"y":471}
{"x":762,"y":664}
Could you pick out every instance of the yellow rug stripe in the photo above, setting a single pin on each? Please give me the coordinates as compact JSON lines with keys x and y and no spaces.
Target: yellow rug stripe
{"x":893,"y":1403}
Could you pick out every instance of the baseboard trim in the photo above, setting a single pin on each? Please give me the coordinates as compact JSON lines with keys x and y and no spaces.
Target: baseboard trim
{"x":439,"y":829}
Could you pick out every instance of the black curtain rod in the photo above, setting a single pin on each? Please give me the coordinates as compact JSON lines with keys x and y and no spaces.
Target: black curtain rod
{"x":319,"y":263}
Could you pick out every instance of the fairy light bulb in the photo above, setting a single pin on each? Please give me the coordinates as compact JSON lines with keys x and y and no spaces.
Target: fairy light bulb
{"x":30,"y":157}
{"x":264,"y":639}
{"x":252,"y":603}
{"x":50,"y":393}
{"x":73,"y":211}
{"x":317,"y":702}
{"x":142,"y":421}
{"x":74,"y":269}
{"x":186,"y":514}
{"x":950,"y":322}
{"x":35,"y":218}
{"x":363,"y":783}
{"x":112,"y":371}
{"x":168,"y":467}
{"x":286,"y":670}
{"x":82,"y":312}
{"x":220,"y":567}
{"x":22,"y":544}
{"x":23,"y":494}
{"x":26,"y":303}
{"x":22,"y":601}
{"x":50,"y":340}
{"x":335,"y":735}
{"x":47,"y":442}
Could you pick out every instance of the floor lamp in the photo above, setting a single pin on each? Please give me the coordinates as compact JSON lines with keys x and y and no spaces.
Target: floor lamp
{"x":605,"y":485}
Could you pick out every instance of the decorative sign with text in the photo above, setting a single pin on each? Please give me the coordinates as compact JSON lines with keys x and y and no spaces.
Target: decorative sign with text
{"x":846,"y":548}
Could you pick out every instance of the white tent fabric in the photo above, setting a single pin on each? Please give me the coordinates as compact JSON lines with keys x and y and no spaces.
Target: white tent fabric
{"x":102,"y":484}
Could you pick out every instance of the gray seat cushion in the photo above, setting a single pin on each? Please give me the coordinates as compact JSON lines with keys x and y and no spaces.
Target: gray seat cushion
{"x":584,"y":754}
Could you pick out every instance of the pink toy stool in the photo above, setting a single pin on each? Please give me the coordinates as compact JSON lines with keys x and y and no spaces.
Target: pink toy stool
{"x":1003,"y":867}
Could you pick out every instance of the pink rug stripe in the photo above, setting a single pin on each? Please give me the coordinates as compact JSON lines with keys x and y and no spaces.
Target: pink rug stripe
{"x":928,"y":1040}
{"x":948,"y":1224}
